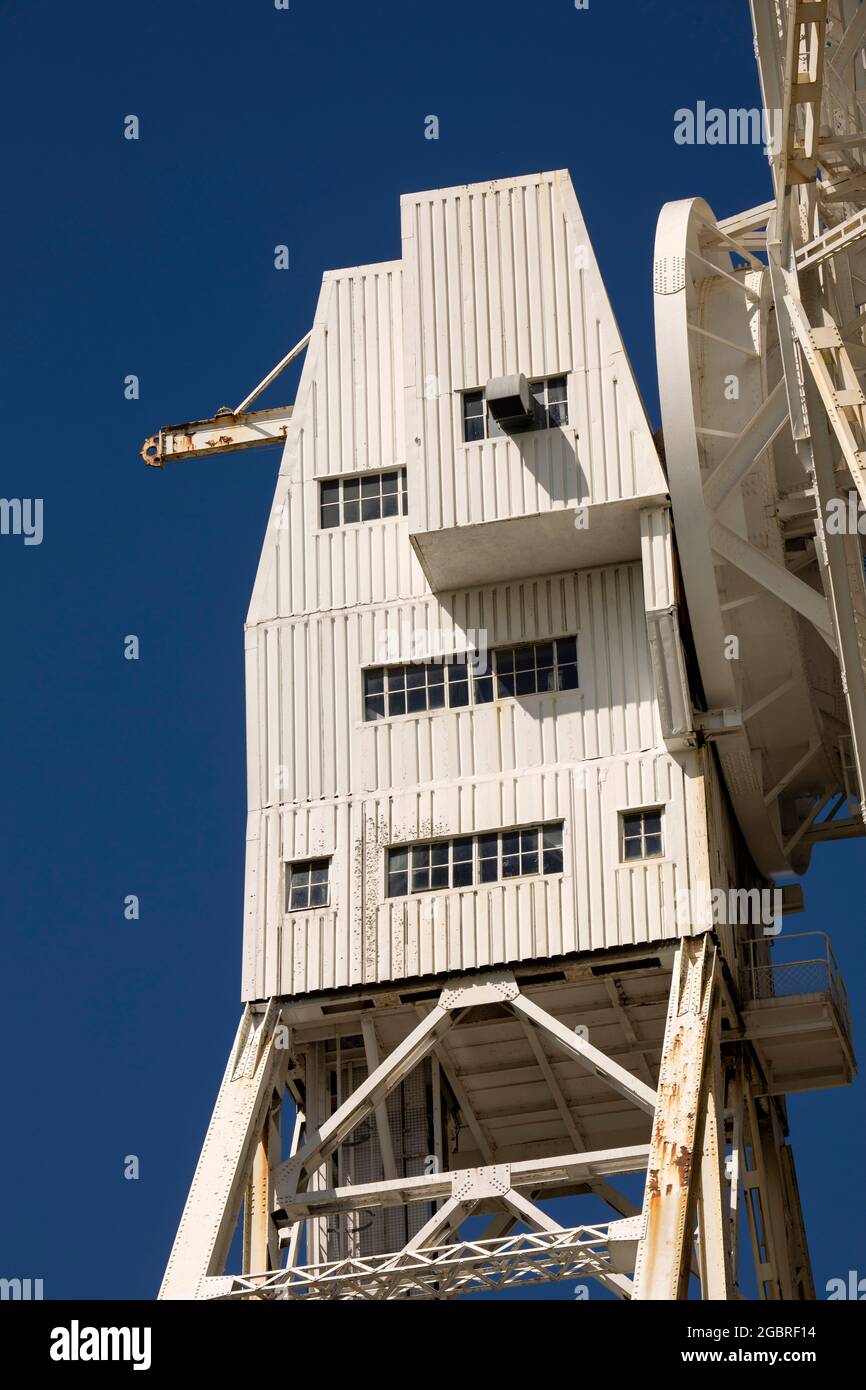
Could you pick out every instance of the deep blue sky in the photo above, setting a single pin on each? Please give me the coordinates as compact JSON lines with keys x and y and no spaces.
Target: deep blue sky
{"x":258,"y":127}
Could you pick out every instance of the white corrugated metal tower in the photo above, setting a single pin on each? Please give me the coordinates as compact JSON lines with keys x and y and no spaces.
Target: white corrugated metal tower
{"x":536,"y":720}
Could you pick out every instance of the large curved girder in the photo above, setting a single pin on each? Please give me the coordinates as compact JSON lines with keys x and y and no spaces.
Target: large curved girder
{"x":762,"y":633}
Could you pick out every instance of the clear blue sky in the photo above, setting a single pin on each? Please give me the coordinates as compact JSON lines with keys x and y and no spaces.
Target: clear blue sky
{"x":155,"y":257}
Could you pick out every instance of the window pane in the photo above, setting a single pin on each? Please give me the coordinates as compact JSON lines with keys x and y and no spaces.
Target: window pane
{"x":298,"y":898}
{"x":461,"y":860}
{"x":511,"y":843}
{"x":398,"y":859}
{"x":351,"y":489}
{"x":370,"y":486}
{"x":319,"y":871}
{"x":552,"y":861}
{"x":396,"y":703}
{"x":374,"y":680}
{"x":318,"y":894}
{"x":524,"y":659}
{"x":436,"y":696}
{"x":389,"y":482}
{"x":398,"y":884}
{"x":371,"y":508}
{"x":483,"y":690}
{"x":537,"y":391}
{"x":504,"y":660}
{"x":487,"y":869}
{"x":567,"y":677}
{"x":566,"y":650}
{"x":439,"y":853}
{"x":510,"y":866}
{"x":420,"y":880}
{"x":416,"y":677}
{"x":330,"y":516}
{"x":420,"y":856}
{"x":462,"y":874}
{"x":351,"y":512}
{"x":390,"y":505}
{"x":652,"y":823}
{"x":416,"y":699}
{"x":488,"y":846}
{"x":529,"y":862}
{"x":374,"y":707}
{"x":473,"y":416}
{"x":653,"y":845}
{"x":546,"y":679}
{"x":524,"y":683}
{"x":505,"y":685}
{"x":300,"y":876}
{"x":396,"y":678}
{"x":557,"y":392}
{"x":551,"y":837}
{"x":330,"y":492}
{"x":544,"y":654}
{"x":631,"y":825}
{"x":458,"y":694}
{"x":631,"y":849}
{"x":439,"y":876}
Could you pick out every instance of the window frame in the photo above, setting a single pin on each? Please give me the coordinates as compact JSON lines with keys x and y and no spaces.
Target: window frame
{"x":294,"y":866}
{"x":650,"y":809}
{"x":463,"y":660}
{"x":538,"y":409}
{"x":341,"y":479}
{"x":422,"y":859}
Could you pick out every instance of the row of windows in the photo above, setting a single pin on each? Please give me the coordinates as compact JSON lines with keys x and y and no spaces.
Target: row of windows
{"x":448,"y":683}
{"x":549,"y":407}
{"x":372,"y":496}
{"x":475,"y":859}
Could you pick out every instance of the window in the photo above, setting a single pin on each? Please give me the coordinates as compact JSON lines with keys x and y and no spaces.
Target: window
{"x":641,"y":834}
{"x":308,"y":884}
{"x":478,"y":423}
{"x":470,"y":859}
{"x":390,"y":690}
{"x":448,"y":683}
{"x":550,"y":407}
{"x":550,"y":402}
{"x":366,"y":498}
{"x":533,"y":669}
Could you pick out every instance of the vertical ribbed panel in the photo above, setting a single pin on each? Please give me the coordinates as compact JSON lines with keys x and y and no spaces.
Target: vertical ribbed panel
{"x":364,"y":937}
{"x":348,"y":418}
{"x":501,"y":278}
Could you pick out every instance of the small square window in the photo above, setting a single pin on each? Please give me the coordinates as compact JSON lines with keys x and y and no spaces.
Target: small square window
{"x":641,"y":836}
{"x":308,"y":885}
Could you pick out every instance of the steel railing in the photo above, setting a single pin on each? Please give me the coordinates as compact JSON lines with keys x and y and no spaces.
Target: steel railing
{"x":766,"y":978}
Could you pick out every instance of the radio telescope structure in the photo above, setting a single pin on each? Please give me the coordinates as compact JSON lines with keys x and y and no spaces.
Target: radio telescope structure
{"x":542,"y":710}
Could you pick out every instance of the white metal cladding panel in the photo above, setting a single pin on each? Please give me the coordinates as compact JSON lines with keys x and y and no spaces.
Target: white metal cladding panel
{"x":501,"y":278}
{"x":307,"y":737}
{"x":658,"y":558}
{"x":348,"y":418}
{"x":364,"y":937}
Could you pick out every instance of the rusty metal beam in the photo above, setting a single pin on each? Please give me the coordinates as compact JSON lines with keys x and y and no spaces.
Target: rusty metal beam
{"x":663,"y":1261}
{"x":225,"y":433}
